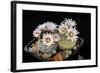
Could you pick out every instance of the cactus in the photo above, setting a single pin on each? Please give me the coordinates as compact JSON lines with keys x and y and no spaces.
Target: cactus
{"x":66,"y":44}
{"x":43,"y":48}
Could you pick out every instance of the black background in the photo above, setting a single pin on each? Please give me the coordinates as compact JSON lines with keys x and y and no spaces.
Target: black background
{"x":31,"y":19}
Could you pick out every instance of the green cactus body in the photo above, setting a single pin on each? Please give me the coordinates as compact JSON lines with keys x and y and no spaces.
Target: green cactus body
{"x":66,"y":44}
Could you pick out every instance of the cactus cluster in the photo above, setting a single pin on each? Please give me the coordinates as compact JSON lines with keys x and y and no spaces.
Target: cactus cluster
{"x":53,"y":39}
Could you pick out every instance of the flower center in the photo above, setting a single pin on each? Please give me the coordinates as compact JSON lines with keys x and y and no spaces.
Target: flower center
{"x":71,"y":34}
{"x":37,"y":32}
{"x":47,"y":40}
{"x":64,"y":29}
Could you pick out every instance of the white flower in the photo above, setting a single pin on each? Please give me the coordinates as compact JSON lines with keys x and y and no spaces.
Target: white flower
{"x":69,"y":22}
{"x":48,"y":39}
{"x":41,"y":27}
{"x":56,"y":37}
{"x":36,"y":32}
{"x":72,"y":34}
{"x":49,"y":26}
{"x":63,"y":28}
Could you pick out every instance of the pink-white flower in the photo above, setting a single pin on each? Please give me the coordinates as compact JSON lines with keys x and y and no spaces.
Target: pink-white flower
{"x":72,"y":34}
{"x":69,"y":22}
{"x":63,"y":28}
{"x":36,"y":32}
{"x":48,"y":39}
{"x":49,"y":26}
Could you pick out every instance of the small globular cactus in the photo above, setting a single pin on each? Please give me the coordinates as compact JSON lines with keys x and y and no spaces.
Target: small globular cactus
{"x":66,"y":44}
